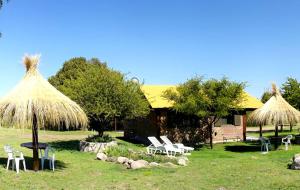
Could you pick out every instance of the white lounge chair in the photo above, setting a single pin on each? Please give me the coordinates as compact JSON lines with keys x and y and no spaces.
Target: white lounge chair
{"x":287,"y":141}
{"x":185,"y":149}
{"x":156,"y":146}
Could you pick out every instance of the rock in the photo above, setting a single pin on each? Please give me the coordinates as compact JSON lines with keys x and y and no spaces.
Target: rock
{"x":111,"y":159}
{"x":95,"y":147}
{"x":122,"y":160}
{"x":154,"y":164}
{"x":139,"y":164}
{"x":101,"y":156}
{"x":169,"y":165}
{"x":296,"y":162}
{"x":182,"y":162}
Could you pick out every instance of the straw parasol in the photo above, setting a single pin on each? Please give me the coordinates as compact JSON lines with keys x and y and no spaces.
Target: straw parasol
{"x":275,"y":111}
{"x":35,"y":103}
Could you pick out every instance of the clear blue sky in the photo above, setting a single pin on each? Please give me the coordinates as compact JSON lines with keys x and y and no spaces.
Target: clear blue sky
{"x":158,"y":41}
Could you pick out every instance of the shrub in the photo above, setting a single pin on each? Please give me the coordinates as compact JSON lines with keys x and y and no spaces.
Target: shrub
{"x":97,"y":138}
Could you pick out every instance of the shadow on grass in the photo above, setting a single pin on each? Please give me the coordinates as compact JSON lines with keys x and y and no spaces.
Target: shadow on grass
{"x":133,"y":141}
{"x":70,"y":145}
{"x":59,"y":165}
{"x":243,"y":148}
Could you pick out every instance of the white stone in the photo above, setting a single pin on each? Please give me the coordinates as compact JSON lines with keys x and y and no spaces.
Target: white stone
{"x":101,"y":156}
{"x":169,"y":165}
{"x":154,"y":164}
{"x":182,"y":162}
{"x":95,"y":147}
{"x":111,"y":159}
{"x":122,"y":160}
{"x":139,"y":164}
{"x":296,"y":162}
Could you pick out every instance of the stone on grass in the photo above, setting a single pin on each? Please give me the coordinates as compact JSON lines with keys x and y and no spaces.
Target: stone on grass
{"x":139,"y":164}
{"x":101,"y":156}
{"x":169,"y":165}
{"x":182,"y":161}
{"x":111,"y":159}
{"x":153,"y":164}
{"x":296,"y":162}
{"x":122,"y":160}
{"x":130,"y":161}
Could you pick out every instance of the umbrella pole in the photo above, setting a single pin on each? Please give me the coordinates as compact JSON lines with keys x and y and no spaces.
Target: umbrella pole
{"x":276,"y":130}
{"x":35,"y":143}
{"x":260,"y":130}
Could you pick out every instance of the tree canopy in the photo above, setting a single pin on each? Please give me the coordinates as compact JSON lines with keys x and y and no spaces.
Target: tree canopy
{"x":210,"y":100}
{"x":103,"y":93}
{"x":291,"y":92}
{"x":266,"y":96}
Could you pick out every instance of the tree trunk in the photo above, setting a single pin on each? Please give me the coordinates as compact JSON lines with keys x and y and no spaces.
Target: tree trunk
{"x":115,"y":124}
{"x":210,"y":128}
{"x":100,"y":133}
{"x":260,"y":130}
{"x":281,"y":128}
{"x":291,"y":127}
{"x":35,"y":143}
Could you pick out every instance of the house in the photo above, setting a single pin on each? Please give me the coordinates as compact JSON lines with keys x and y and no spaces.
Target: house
{"x":162,"y":120}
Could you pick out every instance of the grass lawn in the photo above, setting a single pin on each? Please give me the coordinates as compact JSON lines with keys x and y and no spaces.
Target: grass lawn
{"x":227,"y":166}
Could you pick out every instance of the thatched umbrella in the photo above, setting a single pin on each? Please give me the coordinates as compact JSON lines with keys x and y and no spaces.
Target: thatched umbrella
{"x":275,"y":111}
{"x":35,"y":103}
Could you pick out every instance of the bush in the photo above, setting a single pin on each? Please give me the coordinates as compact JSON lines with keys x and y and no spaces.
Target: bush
{"x":97,"y":138}
{"x":121,"y":150}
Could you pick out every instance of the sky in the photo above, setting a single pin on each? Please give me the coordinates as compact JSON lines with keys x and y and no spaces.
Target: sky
{"x":157,"y":41}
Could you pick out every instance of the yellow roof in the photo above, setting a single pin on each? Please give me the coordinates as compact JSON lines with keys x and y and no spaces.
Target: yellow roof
{"x":153,"y":94}
{"x":250,"y":102}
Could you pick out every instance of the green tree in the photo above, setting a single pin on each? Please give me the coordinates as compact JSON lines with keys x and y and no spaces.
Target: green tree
{"x":266,"y":96}
{"x":209,"y":100}
{"x":103,"y":93}
{"x":291,"y":92}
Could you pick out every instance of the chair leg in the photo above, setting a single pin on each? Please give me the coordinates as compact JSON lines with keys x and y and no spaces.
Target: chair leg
{"x":17,"y":165}
{"x":7,"y":165}
{"x":53,"y":164}
{"x":24,"y":165}
{"x":42,"y":163}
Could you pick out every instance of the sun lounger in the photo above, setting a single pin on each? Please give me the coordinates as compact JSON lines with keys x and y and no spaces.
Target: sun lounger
{"x":184,"y":149}
{"x":157,"y":147}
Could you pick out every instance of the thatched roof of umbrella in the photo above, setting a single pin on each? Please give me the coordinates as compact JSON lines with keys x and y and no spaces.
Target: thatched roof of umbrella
{"x":35,"y":103}
{"x":275,"y":111}
{"x":35,"y":96}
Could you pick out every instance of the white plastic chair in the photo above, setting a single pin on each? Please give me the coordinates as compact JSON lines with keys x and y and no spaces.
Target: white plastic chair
{"x":156,"y":146}
{"x":15,"y":157}
{"x":184,"y":149}
{"x":287,"y":141}
{"x":265,"y":144}
{"x":10,"y":156}
{"x":19,"y":156}
{"x":51,"y":158}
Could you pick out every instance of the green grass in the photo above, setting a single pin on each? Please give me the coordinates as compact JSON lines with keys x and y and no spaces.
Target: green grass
{"x":228,"y":166}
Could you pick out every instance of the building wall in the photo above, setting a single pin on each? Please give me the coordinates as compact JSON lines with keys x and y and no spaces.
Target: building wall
{"x":180,"y":128}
